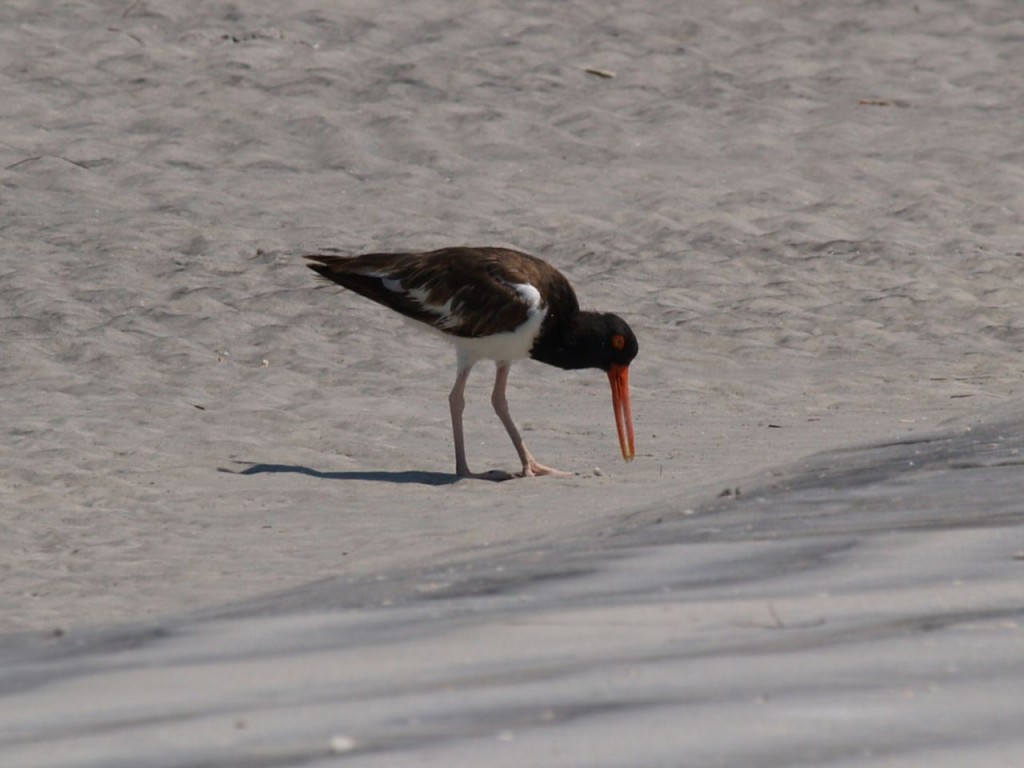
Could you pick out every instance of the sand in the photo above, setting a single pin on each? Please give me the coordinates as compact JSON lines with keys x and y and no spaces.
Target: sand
{"x":809,"y":213}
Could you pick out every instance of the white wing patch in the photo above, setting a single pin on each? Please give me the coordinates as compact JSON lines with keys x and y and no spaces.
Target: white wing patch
{"x":509,"y":345}
{"x":392,"y":284}
{"x":530,"y":294}
{"x":447,"y":318}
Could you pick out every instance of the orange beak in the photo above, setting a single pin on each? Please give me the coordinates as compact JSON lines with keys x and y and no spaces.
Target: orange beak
{"x":618,"y":375}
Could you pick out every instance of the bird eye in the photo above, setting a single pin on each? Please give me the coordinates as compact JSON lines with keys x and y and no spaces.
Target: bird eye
{"x":618,"y":341}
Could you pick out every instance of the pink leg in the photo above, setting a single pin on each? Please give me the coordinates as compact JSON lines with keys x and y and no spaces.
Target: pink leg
{"x":531,"y":467}
{"x":457,"y":403}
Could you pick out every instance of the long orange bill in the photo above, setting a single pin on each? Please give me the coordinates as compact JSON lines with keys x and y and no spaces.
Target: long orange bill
{"x":618,"y":375}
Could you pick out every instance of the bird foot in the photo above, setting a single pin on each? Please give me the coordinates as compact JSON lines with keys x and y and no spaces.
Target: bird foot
{"x":536,"y":469}
{"x":494,"y":475}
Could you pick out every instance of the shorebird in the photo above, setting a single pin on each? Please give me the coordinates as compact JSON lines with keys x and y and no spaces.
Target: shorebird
{"x":501,"y":305}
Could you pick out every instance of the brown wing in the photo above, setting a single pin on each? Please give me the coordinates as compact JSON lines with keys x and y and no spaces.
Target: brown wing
{"x":462,"y":291}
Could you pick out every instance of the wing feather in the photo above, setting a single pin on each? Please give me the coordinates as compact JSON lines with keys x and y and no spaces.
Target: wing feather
{"x":469,"y":292}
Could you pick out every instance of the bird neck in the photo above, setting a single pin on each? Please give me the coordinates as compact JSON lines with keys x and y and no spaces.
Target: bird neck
{"x":568,"y":342}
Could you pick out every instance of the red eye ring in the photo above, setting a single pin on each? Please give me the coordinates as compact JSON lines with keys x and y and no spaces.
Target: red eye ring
{"x":618,"y":341}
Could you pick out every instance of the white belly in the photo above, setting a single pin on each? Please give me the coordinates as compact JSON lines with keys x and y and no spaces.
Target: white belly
{"x":508,"y":346}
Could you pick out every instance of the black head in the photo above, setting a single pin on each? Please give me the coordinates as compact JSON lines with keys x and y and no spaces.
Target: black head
{"x":593,"y":340}
{"x":615,"y":341}
{"x":607,"y":342}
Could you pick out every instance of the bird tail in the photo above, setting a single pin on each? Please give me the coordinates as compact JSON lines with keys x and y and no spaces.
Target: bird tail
{"x":338,"y":269}
{"x":367,"y":275}
{"x":325,"y":265}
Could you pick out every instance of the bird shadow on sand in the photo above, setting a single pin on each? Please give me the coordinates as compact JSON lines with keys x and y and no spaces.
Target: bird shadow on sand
{"x":378,"y":476}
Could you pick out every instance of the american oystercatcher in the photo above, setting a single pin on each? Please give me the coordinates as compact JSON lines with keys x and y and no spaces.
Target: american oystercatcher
{"x":501,"y":305}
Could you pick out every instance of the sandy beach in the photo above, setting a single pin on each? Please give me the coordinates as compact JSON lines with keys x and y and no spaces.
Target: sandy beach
{"x":810,"y":214}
